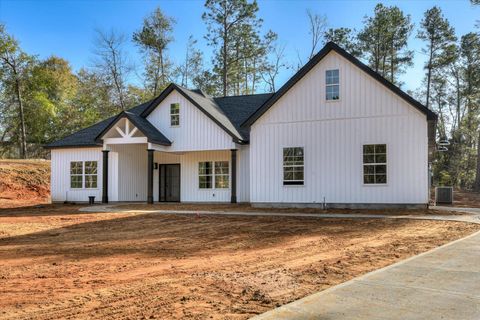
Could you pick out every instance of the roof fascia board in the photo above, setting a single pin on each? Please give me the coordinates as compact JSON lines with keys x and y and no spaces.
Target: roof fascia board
{"x":313,"y":62}
{"x":172,"y":87}
{"x":122,"y":115}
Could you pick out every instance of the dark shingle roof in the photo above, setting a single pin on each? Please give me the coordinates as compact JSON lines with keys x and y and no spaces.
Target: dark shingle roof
{"x":228,"y":112}
{"x":148,"y":129}
{"x":212,"y":110}
{"x":239,"y":108}
{"x":86,"y":137}
{"x":142,"y":124}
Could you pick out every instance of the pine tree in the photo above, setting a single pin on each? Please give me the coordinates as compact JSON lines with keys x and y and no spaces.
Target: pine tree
{"x":384,"y":41}
{"x":345,"y":38}
{"x":233,"y":32}
{"x":440,"y":37}
{"x":153,"y":39}
{"x":470,"y":51}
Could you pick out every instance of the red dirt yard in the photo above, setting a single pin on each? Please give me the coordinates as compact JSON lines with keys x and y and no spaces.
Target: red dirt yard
{"x":24,"y":182}
{"x":58,"y":263}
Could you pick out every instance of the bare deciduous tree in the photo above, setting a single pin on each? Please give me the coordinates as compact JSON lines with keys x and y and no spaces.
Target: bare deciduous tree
{"x":317,"y":25}
{"x":112,"y":64}
{"x":274,"y":66}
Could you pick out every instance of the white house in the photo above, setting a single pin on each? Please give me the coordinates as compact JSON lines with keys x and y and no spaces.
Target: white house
{"x":336,"y":133}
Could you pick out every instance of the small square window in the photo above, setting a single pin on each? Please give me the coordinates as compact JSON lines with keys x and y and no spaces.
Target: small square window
{"x":83,"y":174}
{"x":76,"y":182}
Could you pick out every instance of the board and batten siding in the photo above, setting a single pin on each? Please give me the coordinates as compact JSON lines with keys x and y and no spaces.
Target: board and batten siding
{"x":132,"y":171}
{"x":196,"y":132}
{"x":127,"y":178}
{"x":189,"y":189}
{"x":60,"y":174}
{"x":243,"y":173}
{"x":332,"y":134}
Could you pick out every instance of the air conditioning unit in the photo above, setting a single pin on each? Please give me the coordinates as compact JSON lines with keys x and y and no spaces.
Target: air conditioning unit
{"x":444,"y":195}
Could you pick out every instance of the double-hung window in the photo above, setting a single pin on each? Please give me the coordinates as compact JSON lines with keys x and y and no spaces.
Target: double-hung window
{"x":212,"y":174}
{"x":375,"y":164}
{"x":83,"y":174}
{"x":90,"y":174}
{"x":76,"y":174}
{"x":332,"y":81}
{"x":175,"y":114}
{"x":293,"y":166}
{"x":221,"y":174}
{"x":205,"y":175}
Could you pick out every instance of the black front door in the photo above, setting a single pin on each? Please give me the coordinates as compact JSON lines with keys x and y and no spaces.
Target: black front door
{"x":169,"y":183}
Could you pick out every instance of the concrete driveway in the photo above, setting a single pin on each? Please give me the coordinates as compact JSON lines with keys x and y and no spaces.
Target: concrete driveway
{"x":443,"y":283}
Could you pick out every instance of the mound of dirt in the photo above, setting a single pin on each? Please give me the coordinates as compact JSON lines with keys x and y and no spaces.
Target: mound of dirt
{"x":24,"y":182}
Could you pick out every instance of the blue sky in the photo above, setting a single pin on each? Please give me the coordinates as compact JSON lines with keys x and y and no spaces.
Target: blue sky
{"x":66,"y":28}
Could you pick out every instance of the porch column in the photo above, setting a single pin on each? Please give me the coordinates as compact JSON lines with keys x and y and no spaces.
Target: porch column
{"x":105,"y":177}
{"x":234,"y":176}
{"x":150,"y":177}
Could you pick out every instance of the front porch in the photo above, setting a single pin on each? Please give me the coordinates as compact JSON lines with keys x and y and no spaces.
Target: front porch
{"x":141,"y":164}
{"x":136,"y":172}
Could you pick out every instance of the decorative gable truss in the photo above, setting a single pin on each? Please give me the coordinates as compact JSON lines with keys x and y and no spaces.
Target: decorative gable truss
{"x":125,"y":132}
{"x":129,"y":128}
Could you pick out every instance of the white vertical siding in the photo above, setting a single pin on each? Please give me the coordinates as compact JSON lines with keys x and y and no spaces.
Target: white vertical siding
{"x":196,"y":131}
{"x":189,"y":190}
{"x":128,"y":174}
{"x":112,"y":176}
{"x":243,"y":173}
{"x":332,"y":134}
{"x":60,"y":174}
{"x":132,"y":171}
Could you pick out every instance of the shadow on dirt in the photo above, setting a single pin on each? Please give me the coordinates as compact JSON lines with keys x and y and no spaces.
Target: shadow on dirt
{"x":179,"y":236}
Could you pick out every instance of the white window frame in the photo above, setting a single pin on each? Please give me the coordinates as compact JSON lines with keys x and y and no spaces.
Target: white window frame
{"x":211,"y":174}
{"x":83,"y":175}
{"x":293,"y":182}
{"x":227,"y":175}
{"x":330,"y":85}
{"x":172,"y":115}
{"x":214,"y":175}
{"x":385,"y":163}
{"x":76,"y":175}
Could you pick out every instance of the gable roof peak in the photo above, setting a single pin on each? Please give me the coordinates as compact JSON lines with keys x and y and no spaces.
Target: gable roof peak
{"x":319,"y":57}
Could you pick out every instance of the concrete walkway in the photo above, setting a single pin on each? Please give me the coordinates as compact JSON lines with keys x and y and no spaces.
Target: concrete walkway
{"x":443,"y":283}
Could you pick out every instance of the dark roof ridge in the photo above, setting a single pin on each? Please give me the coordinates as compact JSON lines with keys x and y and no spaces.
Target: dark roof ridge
{"x":244,"y":95}
{"x":313,"y":62}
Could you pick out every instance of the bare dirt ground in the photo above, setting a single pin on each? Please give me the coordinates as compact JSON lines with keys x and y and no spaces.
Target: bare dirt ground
{"x":58,"y":263}
{"x":24,"y":182}
{"x":466,"y":199}
{"x":241,"y":207}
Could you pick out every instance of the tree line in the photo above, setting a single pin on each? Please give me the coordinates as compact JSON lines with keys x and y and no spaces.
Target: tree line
{"x":42,"y":100}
